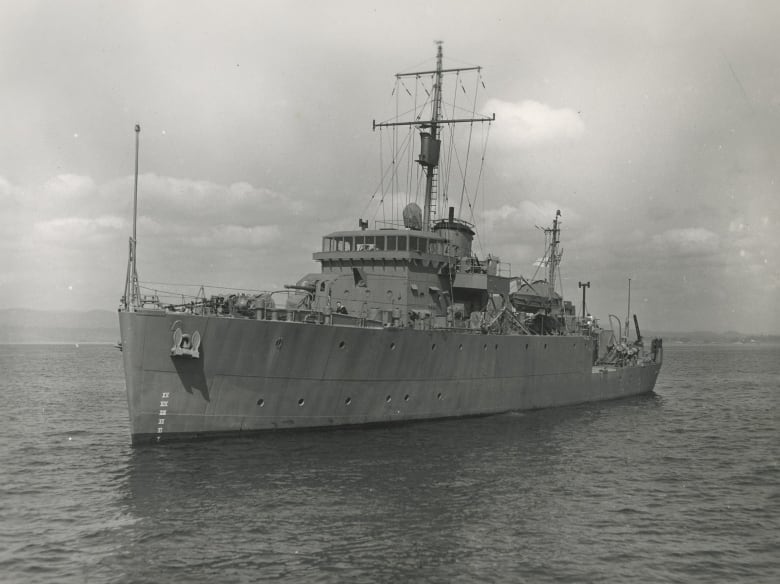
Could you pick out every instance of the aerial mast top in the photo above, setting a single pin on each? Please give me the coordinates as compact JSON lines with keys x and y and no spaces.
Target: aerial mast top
{"x":430,"y":130}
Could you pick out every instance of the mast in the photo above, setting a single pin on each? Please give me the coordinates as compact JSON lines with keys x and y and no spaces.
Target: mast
{"x":135,"y":186}
{"x":628,"y":309}
{"x":432,"y":166}
{"x":430,"y":130}
{"x":553,"y":255}
{"x":583,"y":285}
{"x":132,"y":295}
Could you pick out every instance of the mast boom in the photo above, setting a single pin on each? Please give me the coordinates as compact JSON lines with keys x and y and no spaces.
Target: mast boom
{"x":427,"y":123}
{"x":433,"y":71}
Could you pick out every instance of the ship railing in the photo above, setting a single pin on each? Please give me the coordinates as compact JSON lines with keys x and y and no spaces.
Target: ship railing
{"x":287,"y":305}
{"x":178,"y":298}
{"x":389,"y":224}
{"x":320,"y":317}
{"x":150,"y":301}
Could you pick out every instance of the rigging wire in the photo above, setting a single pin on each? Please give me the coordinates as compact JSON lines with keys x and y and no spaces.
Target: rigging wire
{"x":448,"y":174}
{"x":410,"y":130}
{"x":383,"y":176}
{"x":394,"y":150}
{"x":407,"y":179}
{"x":479,"y":174}
{"x":388,"y":170}
{"x":381,"y":167}
{"x":468,"y":148}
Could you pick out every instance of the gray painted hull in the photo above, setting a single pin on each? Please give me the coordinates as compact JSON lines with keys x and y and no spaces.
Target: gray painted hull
{"x":255,"y":375}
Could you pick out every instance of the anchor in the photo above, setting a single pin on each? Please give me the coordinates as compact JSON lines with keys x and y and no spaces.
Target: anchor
{"x":184,"y":344}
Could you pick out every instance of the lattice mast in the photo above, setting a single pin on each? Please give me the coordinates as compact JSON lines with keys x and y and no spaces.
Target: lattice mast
{"x":430,"y":130}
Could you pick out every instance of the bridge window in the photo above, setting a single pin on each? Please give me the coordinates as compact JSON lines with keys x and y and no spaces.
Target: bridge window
{"x":391,"y":242}
{"x":401,"y":243}
{"x":418,"y":244}
{"x":366,"y":243}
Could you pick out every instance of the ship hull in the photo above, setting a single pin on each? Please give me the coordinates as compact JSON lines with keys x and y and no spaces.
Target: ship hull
{"x":255,"y":375}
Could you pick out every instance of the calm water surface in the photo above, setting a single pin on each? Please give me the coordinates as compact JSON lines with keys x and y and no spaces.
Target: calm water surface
{"x":680,"y":486}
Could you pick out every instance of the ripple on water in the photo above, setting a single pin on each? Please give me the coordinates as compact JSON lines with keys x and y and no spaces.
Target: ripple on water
{"x":679,"y":486}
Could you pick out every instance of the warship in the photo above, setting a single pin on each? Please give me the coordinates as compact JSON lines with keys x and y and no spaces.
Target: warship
{"x":404,"y":321}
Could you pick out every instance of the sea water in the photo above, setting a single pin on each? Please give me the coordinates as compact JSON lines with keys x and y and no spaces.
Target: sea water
{"x":677,"y":486}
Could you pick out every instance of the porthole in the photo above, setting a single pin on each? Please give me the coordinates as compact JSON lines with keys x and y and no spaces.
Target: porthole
{"x":496,"y":346}
{"x":406,"y":397}
{"x":300,"y":402}
{"x":392,"y":346}
{"x":526,"y":346}
{"x":438,"y":396}
{"x":342,"y":344}
{"x":460,"y":347}
{"x":388,"y":399}
{"x":545,"y":345}
{"x":348,"y":401}
{"x":278,"y":343}
{"x":433,"y":347}
{"x":484,"y":347}
{"x":261,"y":402}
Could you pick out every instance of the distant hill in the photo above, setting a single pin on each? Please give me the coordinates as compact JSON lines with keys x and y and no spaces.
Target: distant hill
{"x":19,"y":325}
{"x":707,"y":337}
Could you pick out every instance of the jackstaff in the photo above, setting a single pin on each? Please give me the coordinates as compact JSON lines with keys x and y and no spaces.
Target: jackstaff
{"x":132,"y":292}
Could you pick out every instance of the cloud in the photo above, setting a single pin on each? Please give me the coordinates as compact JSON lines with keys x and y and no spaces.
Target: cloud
{"x":202,"y":203}
{"x":78,"y":231}
{"x":525,"y":214}
{"x":229,"y":236}
{"x":7,"y":190}
{"x":510,"y":231}
{"x":68,"y":186}
{"x":690,"y":241}
{"x":530,"y":123}
{"x":71,"y":238}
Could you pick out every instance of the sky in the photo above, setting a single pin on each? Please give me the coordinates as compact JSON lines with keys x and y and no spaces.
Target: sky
{"x":653,"y":126}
